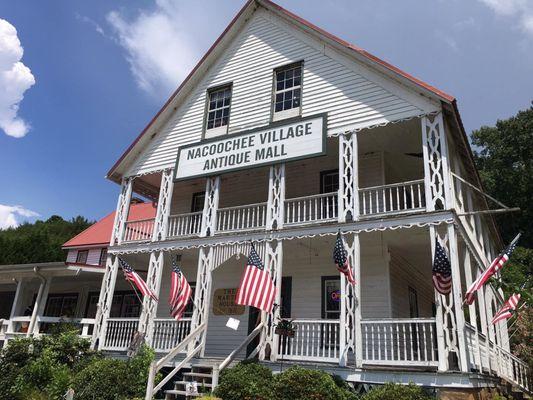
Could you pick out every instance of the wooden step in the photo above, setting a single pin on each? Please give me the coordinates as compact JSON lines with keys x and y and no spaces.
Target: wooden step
{"x":200,"y":384}
{"x":198,"y":374}
{"x":182,"y":393}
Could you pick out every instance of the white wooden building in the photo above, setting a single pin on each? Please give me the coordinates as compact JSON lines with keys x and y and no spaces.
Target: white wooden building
{"x":284,"y":134}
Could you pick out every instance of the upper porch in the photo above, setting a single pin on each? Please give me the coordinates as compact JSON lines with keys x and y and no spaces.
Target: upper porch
{"x":384,"y":166}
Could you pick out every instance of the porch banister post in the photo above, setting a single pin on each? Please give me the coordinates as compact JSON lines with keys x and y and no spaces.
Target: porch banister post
{"x":348,"y":194}
{"x":446,"y":171}
{"x":276,"y":197}
{"x":122,"y":211}
{"x":441,"y":348}
{"x":149,"y":309}
{"x":355,"y":177}
{"x":105,"y":301}
{"x":348,"y":324}
{"x":457,"y":297}
{"x":38,"y":307}
{"x":342,"y":323}
{"x":210,"y":212}
{"x":483,"y":319}
{"x":202,"y":295}
{"x":472,"y":309}
{"x":16,"y":308}
{"x":163,"y":206}
{"x":358,"y":326}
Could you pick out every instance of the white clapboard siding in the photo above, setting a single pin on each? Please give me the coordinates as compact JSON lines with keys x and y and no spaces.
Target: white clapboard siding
{"x":351,"y":94}
{"x":72,"y":255}
{"x":403,"y":276}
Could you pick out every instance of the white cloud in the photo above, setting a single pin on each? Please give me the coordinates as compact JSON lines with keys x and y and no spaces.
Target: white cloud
{"x":10,"y":215}
{"x":159,"y":50}
{"x":15,"y":79}
{"x":521,"y":10}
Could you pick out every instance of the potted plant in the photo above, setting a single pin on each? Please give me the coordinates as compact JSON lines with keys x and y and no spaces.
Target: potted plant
{"x":285,"y":327}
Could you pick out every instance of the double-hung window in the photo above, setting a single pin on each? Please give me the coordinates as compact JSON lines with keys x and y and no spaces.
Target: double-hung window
{"x":287,"y":91}
{"x":218,"y":111}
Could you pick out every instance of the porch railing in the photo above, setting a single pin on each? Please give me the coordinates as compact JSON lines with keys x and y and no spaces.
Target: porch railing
{"x":45,"y":324}
{"x":168,"y":333}
{"x":314,"y":340}
{"x":399,"y":341}
{"x":119,"y":333}
{"x":311,"y":209}
{"x":242,"y":218}
{"x":139,"y":230}
{"x":184,"y":224}
{"x":392,"y":199}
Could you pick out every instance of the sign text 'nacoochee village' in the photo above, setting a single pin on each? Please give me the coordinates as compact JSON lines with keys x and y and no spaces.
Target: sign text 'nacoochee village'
{"x":303,"y":138}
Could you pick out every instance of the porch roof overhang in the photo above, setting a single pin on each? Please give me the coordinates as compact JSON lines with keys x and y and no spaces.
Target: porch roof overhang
{"x":11,"y":272}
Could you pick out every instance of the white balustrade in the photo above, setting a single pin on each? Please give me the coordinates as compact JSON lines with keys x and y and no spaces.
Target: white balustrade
{"x":119,"y":333}
{"x":168,"y":333}
{"x":311,"y":209}
{"x":184,"y":224}
{"x":242,"y":218}
{"x":139,"y":230}
{"x":314,"y":340}
{"x":399,"y":341}
{"x":45,"y":324}
{"x":392,"y":199}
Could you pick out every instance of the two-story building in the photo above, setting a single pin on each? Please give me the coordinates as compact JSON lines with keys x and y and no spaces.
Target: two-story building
{"x":282,"y":135}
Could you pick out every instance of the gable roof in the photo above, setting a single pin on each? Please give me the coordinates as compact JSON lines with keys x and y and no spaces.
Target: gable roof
{"x":211,"y":55}
{"x":99,"y":233}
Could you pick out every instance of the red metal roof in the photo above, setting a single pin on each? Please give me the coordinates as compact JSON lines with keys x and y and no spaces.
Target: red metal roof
{"x":268,"y":3}
{"x":100,"y":232}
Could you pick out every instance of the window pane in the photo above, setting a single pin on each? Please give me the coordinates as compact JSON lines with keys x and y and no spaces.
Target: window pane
{"x":288,"y":89}
{"x":219,"y":105}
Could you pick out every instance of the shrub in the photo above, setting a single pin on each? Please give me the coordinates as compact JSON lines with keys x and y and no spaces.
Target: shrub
{"x":246,"y":381}
{"x":302,"y":384}
{"x":395,"y":391}
{"x":112,"y":379}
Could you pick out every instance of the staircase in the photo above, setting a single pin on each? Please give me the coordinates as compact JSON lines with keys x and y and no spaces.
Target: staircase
{"x":199,"y":375}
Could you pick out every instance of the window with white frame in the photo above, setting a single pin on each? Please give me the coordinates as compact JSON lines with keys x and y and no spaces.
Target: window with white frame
{"x":218,"y":111}
{"x":287,"y":91}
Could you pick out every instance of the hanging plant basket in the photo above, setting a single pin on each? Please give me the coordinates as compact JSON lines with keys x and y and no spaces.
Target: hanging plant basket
{"x":285,"y":327}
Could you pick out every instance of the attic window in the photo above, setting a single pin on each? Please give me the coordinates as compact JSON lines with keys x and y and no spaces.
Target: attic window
{"x":81,"y":258}
{"x":287,"y":91}
{"x":218,"y":110}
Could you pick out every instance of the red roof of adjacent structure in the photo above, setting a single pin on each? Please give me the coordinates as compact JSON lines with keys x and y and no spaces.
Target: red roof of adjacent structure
{"x":99,"y":233}
{"x":444,"y":96}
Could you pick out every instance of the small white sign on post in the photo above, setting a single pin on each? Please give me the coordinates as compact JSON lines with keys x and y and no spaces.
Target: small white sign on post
{"x":278,"y":142}
{"x":233,"y":323}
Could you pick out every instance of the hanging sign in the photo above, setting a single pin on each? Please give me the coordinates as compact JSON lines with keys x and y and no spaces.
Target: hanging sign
{"x":278,"y":142}
{"x":224,"y":302}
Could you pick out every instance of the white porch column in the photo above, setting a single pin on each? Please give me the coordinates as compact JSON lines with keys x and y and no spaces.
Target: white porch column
{"x":348,"y":203}
{"x":202,"y":297}
{"x":273,"y":259}
{"x":449,"y":313}
{"x":38,"y":307}
{"x":436,"y":166}
{"x":209,"y":216}
{"x":16,"y":308}
{"x":349,"y":307}
{"x":149,"y":309}
{"x":121,"y":213}
{"x":276,"y":197}
{"x":105,"y":301}
{"x":163,"y":206}
{"x":477,"y":362}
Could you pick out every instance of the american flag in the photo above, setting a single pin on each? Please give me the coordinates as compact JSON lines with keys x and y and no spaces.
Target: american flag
{"x":494,"y":267}
{"x":180,"y":292}
{"x":134,"y":277}
{"x":508,"y":307}
{"x":256,"y":288}
{"x":442,"y":271}
{"x":340,"y":257}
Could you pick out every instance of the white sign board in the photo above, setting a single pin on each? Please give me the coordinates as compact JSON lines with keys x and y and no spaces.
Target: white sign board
{"x":277,"y":142}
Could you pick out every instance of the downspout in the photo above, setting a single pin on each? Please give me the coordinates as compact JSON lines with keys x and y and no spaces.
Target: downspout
{"x":37,"y":303}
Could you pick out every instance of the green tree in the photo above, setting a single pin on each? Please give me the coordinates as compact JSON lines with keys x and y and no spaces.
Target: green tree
{"x":40,"y":241}
{"x":504,"y":157}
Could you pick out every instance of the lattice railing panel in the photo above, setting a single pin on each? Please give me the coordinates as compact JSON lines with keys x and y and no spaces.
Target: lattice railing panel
{"x":209,"y":219}
{"x":121,"y":214}
{"x":153,"y":280}
{"x":349,"y":299}
{"x":105,"y":300}
{"x":348,"y":187}
{"x":163,"y":206}
{"x":276,"y":197}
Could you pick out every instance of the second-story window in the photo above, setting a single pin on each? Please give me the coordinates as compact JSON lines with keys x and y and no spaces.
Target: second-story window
{"x":197,"y":203}
{"x":81,"y":258}
{"x":287,"y":91}
{"x":218,"y":110}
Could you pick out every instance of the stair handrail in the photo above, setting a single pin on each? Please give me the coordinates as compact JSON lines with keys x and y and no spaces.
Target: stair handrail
{"x":233,"y":354}
{"x":156,"y":366}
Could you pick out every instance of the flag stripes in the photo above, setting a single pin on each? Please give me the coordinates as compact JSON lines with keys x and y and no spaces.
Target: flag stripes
{"x":507,"y":309}
{"x":180,"y":292}
{"x":135,"y":278}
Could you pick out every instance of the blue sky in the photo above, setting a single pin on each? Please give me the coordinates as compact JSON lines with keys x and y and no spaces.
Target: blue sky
{"x":94,"y":73}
